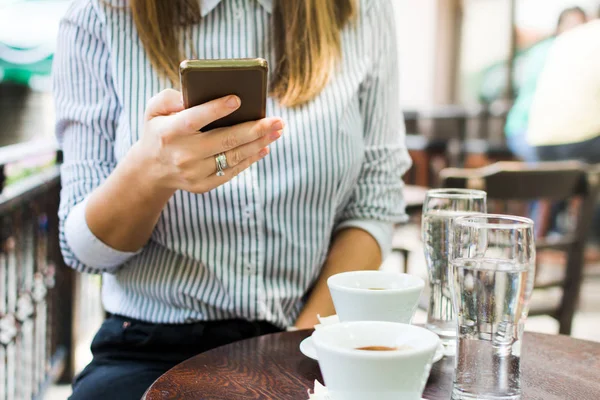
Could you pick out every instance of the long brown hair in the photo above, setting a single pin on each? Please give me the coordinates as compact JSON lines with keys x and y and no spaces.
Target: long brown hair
{"x":306,"y":37}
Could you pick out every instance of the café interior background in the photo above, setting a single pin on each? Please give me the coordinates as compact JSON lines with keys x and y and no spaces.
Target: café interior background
{"x":453,"y":53}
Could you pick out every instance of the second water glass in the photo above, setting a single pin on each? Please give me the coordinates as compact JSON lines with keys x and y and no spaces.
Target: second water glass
{"x":493,"y":269}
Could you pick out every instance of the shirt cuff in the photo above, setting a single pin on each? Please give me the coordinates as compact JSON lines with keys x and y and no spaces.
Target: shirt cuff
{"x":381,"y":231}
{"x":87,"y":247}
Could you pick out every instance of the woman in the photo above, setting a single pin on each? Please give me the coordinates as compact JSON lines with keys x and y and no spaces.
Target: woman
{"x":190,"y":260}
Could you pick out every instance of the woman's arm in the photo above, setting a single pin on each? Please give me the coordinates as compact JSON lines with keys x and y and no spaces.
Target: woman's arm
{"x":87,"y":111}
{"x":365,"y":226}
{"x":353,"y":249}
{"x":172,"y":155}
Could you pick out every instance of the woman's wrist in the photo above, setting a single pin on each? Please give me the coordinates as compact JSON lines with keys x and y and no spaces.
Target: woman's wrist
{"x":143,"y":171}
{"x":123,"y":211}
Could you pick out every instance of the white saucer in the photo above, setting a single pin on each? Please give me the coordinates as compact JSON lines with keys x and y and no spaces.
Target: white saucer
{"x":308,"y":349}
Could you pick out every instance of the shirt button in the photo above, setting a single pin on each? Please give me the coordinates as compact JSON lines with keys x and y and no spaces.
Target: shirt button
{"x":238,"y":11}
{"x":248,"y":212}
{"x":250,"y":269}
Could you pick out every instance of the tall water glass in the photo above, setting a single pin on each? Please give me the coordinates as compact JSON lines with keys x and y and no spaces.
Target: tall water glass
{"x":440,"y":208}
{"x":493,"y":269}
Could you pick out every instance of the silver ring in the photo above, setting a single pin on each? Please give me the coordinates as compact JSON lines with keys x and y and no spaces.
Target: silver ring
{"x":221,"y":161}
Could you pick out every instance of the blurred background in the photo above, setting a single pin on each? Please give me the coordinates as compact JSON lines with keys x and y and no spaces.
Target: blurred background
{"x":467,"y":51}
{"x":464,"y":64}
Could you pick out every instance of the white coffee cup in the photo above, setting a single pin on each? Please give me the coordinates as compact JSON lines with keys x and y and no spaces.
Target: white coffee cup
{"x":352,"y":374}
{"x":375,"y":295}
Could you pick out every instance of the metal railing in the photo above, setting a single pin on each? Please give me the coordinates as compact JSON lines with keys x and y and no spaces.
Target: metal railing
{"x":39,"y":296}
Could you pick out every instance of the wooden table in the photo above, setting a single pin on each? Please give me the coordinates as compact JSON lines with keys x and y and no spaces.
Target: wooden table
{"x":272,"y":367}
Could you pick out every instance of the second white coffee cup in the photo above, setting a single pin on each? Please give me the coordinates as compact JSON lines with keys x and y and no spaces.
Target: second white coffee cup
{"x":375,"y":295}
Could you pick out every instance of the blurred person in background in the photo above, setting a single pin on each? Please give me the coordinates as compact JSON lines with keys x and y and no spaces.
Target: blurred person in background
{"x":564,"y":123}
{"x":192,"y":259}
{"x":518,"y":118}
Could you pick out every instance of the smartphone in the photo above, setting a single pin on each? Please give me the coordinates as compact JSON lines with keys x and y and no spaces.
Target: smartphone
{"x":206,"y":80}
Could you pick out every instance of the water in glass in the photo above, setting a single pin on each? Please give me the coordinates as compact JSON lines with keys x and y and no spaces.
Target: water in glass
{"x":491,"y":303}
{"x":437,"y":232}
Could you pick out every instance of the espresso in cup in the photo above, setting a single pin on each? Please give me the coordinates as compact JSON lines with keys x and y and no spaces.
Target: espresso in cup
{"x":375,"y":295}
{"x":384,"y":348}
{"x":395,"y":363}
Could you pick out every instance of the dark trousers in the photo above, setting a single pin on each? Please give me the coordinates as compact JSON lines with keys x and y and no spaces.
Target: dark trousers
{"x":587,"y":151}
{"x":130,"y":355}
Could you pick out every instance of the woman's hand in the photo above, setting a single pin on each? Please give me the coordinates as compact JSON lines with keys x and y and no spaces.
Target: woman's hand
{"x":172,"y":154}
{"x":180,"y":157}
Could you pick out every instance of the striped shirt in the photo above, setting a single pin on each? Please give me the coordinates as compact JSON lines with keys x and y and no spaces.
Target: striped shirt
{"x":253,"y":247}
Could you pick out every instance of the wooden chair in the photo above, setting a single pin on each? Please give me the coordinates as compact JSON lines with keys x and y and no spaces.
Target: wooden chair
{"x":429,"y":157}
{"x":446,"y":124}
{"x":482,"y":152}
{"x":411,"y":121}
{"x":510,"y":182}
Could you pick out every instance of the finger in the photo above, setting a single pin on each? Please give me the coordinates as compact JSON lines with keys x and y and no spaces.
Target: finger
{"x":213,"y":181}
{"x":238,"y":155}
{"x":241,"y":153}
{"x":166,"y":102}
{"x":225,"y":139}
{"x":193,"y":119}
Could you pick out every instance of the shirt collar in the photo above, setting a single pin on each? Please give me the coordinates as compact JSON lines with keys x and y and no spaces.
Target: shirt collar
{"x":209,"y":5}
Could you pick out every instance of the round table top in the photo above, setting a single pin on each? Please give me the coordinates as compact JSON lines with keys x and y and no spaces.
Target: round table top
{"x":272,"y":367}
